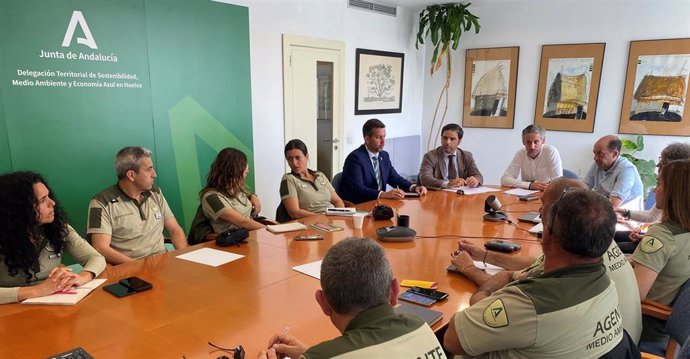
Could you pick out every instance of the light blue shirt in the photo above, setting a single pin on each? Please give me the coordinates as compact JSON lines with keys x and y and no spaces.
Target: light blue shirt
{"x":621,"y":180}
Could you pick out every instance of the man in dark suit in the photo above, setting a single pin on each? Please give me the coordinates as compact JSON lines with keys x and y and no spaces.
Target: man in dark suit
{"x":368,"y":169}
{"x":448,"y":166}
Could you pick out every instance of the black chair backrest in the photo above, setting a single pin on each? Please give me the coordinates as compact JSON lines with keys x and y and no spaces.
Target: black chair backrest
{"x":282,"y":214}
{"x":678,"y":323}
{"x":201,"y":226}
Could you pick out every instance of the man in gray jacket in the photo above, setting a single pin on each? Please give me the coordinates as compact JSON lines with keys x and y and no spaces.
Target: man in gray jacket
{"x":448,"y":166}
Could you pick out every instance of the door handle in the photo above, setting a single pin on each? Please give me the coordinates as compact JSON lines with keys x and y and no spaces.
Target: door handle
{"x":335,"y":140}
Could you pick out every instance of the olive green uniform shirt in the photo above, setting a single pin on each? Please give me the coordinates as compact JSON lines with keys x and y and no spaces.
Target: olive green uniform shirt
{"x":622,"y":273}
{"x":567,"y":313}
{"x":48,"y":259}
{"x":214,"y":203}
{"x":312,"y":196}
{"x":381,"y":333}
{"x":665,"y":249}
{"x":136,"y":229}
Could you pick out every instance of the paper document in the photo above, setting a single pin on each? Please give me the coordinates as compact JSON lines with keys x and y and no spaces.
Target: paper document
{"x":67,"y":299}
{"x":210,"y":257}
{"x":312,"y":269}
{"x":520,"y":192}
{"x":539,"y":228}
{"x":468,"y":190}
{"x":488,"y":268}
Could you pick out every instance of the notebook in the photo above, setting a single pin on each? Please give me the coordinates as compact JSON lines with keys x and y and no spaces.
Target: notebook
{"x":430,"y":316}
{"x":67,"y":299}
{"x":286,"y":227}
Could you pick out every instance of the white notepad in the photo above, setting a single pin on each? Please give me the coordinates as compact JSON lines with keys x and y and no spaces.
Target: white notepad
{"x":286,"y":227}
{"x":210,"y":257}
{"x":312,"y":269}
{"x":67,"y":299}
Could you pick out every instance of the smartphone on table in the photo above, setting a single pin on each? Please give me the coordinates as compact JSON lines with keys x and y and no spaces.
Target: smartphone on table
{"x":128,"y":286}
{"x":416,"y":298}
{"x":429,"y":293}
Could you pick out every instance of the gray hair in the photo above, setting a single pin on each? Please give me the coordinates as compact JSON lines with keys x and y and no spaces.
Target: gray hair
{"x":534,"y":129}
{"x":675,"y":151}
{"x":583,"y":222}
{"x":129,"y":158}
{"x":356,"y":276}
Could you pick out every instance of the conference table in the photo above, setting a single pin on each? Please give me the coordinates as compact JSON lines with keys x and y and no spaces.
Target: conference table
{"x":245,"y":301}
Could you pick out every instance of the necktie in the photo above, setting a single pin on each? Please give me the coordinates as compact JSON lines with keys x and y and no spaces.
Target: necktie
{"x":377,"y":171}
{"x":452,"y":172}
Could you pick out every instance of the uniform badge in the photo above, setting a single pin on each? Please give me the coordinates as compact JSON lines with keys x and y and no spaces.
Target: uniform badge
{"x":650,"y":245}
{"x":495,"y":314}
{"x":303,"y":185}
{"x":158,"y":215}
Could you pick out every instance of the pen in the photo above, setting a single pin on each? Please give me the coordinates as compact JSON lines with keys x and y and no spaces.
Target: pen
{"x":65,"y":292}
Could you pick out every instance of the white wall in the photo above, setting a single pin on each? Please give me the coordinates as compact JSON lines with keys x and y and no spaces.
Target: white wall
{"x":530,"y":24}
{"x":331,"y":20}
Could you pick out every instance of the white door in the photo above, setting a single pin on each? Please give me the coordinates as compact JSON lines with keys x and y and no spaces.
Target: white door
{"x":312,"y":84}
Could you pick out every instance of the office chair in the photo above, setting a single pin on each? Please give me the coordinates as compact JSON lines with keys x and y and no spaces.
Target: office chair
{"x":677,"y":324}
{"x":570,"y":174}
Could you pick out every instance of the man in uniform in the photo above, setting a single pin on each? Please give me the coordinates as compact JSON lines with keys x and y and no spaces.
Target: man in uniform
{"x":358,"y":292}
{"x":536,"y":164}
{"x":613,"y":175}
{"x":526,"y":318}
{"x":448,"y":166}
{"x":126,"y":221}
{"x":522,"y":267}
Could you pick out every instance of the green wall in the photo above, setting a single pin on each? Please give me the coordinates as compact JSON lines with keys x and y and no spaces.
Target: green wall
{"x":185,"y":94}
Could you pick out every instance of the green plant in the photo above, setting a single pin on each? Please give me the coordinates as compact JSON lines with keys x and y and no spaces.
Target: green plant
{"x":445,"y":24}
{"x":646,"y":168}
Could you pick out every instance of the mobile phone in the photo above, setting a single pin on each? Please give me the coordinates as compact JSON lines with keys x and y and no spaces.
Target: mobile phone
{"x":416,"y":298}
{"x":136,"y":283}
{"x":502,"y":246}
{"x":119,"y":290}
{"x":429,"y":293}
{"x":309,"y":237}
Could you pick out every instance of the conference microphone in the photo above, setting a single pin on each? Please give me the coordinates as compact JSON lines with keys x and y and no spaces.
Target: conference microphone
{"x":492,"y":207}
{"x":400,"y":233}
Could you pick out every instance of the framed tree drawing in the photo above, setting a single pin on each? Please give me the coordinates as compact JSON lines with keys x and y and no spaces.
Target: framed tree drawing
{"x":378,"y":82}
{"x":655,"y":100}
{"x":490,"y":84}
{"x":568,"y":89}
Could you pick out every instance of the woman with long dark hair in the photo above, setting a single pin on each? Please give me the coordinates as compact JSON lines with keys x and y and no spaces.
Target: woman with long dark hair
{"x":225,"y":200}
{"x":305,"y":192}
{"x":34,"y":235}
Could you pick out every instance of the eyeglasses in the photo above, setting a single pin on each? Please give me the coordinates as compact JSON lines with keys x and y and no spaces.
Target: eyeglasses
{"x":237,"y":353}
{"x":556,"y":205}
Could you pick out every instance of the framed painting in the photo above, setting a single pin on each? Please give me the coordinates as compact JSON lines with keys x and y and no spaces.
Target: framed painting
{"x":490,"y":84}
{"x":378,"y":82}
{"x":569,"y":77}
{"x":655,"y":101}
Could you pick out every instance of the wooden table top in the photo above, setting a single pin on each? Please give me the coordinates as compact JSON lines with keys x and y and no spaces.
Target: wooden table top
{"x":247,"y":300}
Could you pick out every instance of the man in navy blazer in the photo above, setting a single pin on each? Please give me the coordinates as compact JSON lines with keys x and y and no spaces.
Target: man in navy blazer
{"x":368,"y":170}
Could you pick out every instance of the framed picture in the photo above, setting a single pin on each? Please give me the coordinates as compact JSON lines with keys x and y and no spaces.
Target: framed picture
{"x":378,"y":82}
{"x":490,"y":84}
{"x":569,"y":78}
{"x":655,"y":101}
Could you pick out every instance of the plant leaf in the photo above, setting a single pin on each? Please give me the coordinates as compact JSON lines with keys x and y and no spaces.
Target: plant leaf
{"x":640,"y":142}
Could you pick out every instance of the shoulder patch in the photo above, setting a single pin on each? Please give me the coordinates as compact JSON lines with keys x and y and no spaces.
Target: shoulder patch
{"x":650,"y":244}
{"x":495,"y":314}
